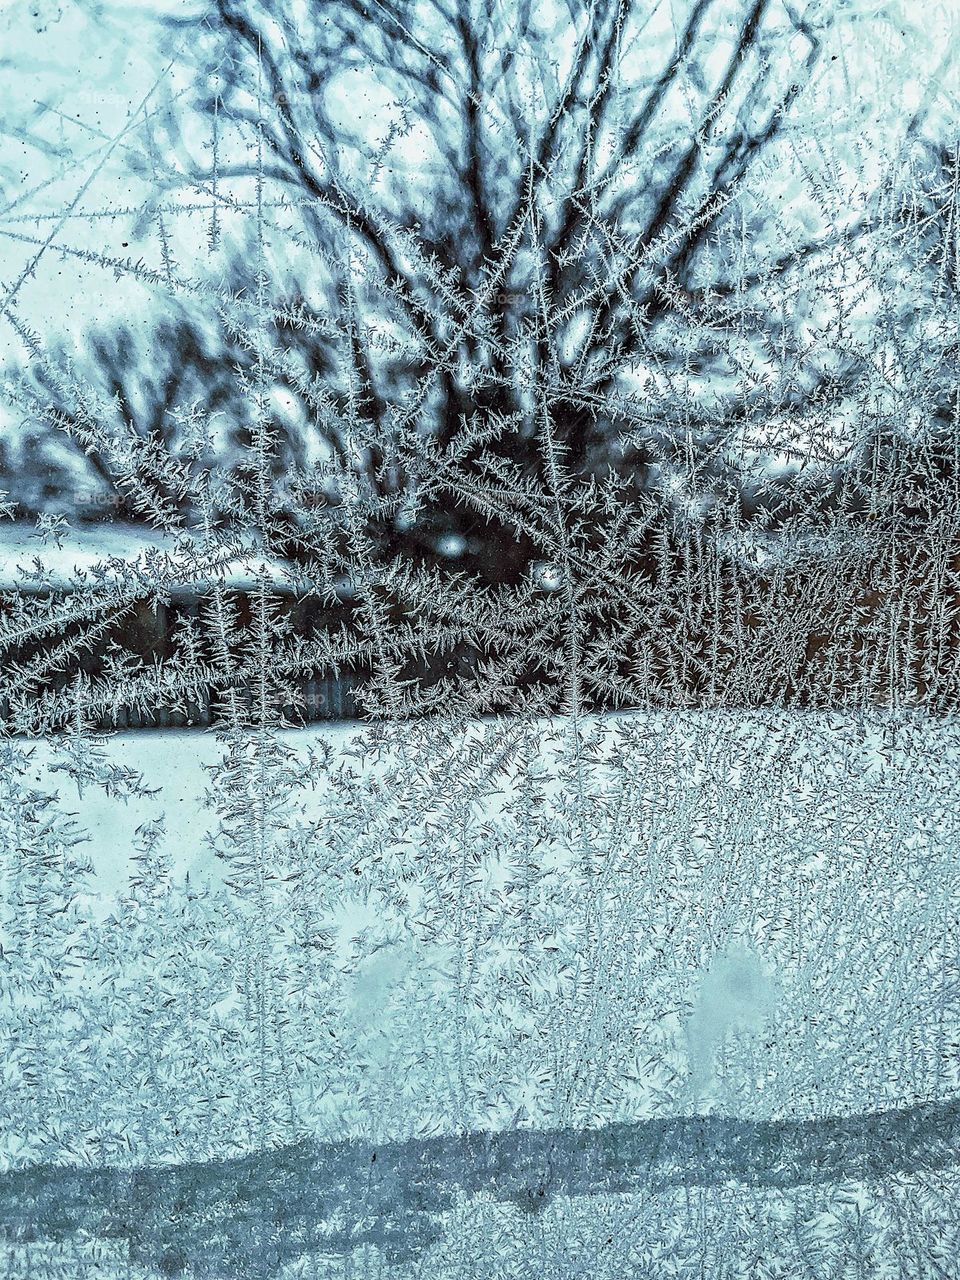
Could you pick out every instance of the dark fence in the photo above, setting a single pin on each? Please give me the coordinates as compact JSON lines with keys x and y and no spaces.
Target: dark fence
{"x":871,"y":623}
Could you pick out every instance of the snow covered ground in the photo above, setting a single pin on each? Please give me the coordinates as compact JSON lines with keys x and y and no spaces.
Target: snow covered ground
{"x":99,"y":554}
{"x":497,"y":925}
{"x":749,"y":828}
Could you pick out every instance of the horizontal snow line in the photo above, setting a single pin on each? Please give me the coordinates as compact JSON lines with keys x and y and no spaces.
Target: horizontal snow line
{"x":252,"y":1214}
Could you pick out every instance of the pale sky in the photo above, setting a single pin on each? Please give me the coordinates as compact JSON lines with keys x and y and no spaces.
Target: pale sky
{"x":94,"y":69}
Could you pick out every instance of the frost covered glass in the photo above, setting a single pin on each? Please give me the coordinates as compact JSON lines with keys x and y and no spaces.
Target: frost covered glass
{"x":480,"y":639}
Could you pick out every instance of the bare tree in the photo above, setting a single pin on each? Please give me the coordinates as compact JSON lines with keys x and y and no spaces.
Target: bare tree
{"x":660,"y":228}
{"x":593,"y":212}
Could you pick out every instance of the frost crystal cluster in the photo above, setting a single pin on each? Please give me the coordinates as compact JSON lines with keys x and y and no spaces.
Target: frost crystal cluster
{"x":480,"y":639}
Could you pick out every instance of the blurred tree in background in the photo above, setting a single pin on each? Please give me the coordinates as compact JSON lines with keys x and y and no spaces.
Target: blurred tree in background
{"x":675,"y":230}
{"x":643,"y":316}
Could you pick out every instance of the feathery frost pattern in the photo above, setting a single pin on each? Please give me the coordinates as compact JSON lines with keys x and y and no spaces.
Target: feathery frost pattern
{"x":480,"y":640}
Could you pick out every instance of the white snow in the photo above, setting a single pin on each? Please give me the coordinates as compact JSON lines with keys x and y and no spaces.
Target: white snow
{"x":770,"y":840}
{"x":93,"y":556}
